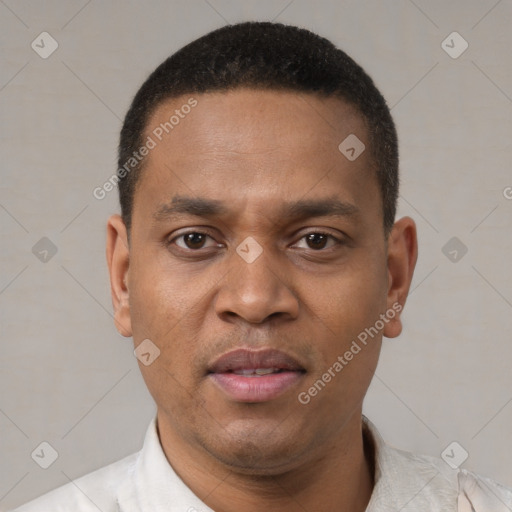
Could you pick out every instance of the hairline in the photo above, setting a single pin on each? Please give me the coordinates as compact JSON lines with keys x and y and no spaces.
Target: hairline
{"x":141,"y":167}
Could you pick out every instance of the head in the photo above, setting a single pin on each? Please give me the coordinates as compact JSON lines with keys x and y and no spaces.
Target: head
{"x":248,"y":223}
{"x":263,"y":56}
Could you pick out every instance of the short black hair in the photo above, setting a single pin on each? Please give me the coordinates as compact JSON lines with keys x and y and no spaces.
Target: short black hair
{"x":262,"y":55}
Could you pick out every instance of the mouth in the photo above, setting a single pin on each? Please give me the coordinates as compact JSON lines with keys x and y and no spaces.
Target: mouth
{"x":255,"y":376}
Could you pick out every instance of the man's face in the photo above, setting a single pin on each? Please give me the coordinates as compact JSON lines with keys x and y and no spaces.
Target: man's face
{"x":317,"y":284}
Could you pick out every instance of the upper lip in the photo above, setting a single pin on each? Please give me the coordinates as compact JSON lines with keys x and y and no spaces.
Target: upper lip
{"x":244,"y":359}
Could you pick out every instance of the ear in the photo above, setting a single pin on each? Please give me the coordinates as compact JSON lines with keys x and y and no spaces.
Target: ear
{"x":402,"y":256}
{"x":118,"y":260}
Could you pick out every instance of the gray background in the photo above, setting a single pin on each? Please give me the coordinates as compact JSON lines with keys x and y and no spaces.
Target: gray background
{"x":68,"y":378}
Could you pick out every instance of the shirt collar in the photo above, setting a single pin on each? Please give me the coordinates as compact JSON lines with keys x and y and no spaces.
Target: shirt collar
{"x":153,"y":486}
{"x":382,"y":466}
{"x":408,"y":482}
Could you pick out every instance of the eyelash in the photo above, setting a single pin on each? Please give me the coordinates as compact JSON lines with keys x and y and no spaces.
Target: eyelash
{"x":337,"y":241}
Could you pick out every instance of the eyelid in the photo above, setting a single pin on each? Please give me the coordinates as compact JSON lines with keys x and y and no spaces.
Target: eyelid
{"x":201,"y":231}
{"x":338,"y":239}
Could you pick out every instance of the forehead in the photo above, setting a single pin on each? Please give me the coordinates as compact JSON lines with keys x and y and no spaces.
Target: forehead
{"x":267,"y":146}
{"x":251,"y":119}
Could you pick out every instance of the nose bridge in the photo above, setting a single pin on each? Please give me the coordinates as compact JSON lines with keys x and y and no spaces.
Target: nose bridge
{"x":256,"y":288}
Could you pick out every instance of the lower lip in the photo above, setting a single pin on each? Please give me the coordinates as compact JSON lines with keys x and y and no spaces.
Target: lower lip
{"x":255,"y":389}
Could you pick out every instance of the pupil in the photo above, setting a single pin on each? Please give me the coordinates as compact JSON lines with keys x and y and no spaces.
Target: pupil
{"x":194,"y":239}
{"x":313,"y":236}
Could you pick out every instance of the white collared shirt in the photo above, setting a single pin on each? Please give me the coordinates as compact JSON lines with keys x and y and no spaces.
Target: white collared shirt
{"x":146,"y":482}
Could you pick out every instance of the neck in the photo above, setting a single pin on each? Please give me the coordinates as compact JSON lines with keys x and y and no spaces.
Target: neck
{"x":337,"y":477}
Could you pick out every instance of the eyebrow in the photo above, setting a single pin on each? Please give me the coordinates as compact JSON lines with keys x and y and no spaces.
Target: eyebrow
{"x":301,"y":209}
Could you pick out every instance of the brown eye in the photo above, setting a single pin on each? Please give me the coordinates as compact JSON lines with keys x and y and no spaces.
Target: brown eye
{"x":317,"y":240}
{"x":193,"y":240}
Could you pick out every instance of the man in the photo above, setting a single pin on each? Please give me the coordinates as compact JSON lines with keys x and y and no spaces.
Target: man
{"x":257,"y":265}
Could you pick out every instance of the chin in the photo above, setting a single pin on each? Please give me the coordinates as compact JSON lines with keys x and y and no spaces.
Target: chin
{"x":256,"y":453}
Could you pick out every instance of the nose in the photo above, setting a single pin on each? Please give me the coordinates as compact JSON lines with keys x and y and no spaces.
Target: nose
{"x":256,"y":291}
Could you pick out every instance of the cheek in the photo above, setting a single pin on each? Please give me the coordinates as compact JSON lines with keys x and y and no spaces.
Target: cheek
{"x":169,"y":306}
{"x":161,"y":296}
{"x":168,"y":320}
{"x":347,"y":308}
{"x":349,"y":301}
{"x":347,"y":345}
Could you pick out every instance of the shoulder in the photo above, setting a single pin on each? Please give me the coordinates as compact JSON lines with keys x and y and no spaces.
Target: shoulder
{"x":480,"y":494}
{"x":428,"y":483}
{"x":96,"y":490}
{"x":466,"y":491}
{"x":410,"y":482}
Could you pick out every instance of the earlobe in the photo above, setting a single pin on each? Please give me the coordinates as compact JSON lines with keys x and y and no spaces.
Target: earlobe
{"x":402,"y":257}
{"x":118,"y":260}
